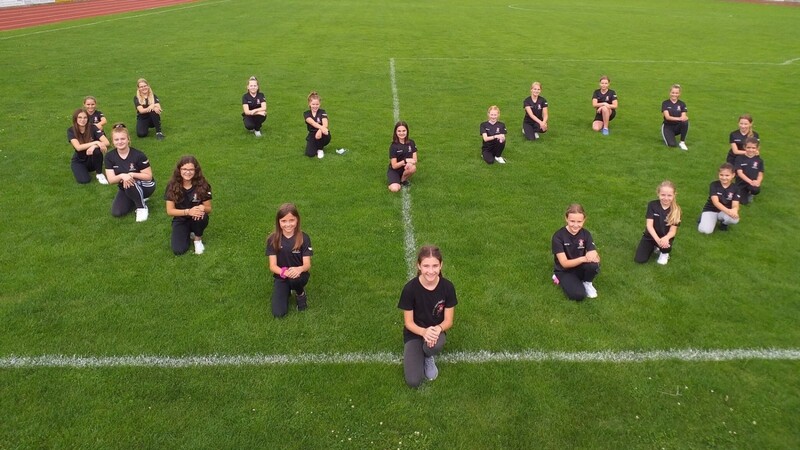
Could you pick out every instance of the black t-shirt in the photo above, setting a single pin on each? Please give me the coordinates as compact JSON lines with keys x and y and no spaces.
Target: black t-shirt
{"x":146,"y":104}
{"x":135,"y":162}
{"x":190,"y":199}
{"x":321,"y":114}
{"x":608,"y":97}
{"x":659,"y":216}
{"x":81,"y":155}
{"x":96,"y":117}
{"x":287,"y":256}
{"x":428,"y":306}
{"x":675,"y":109}
{"x":574,"y":246}
{"x":536,"y":107}
{"x":725,"y":195}
{"x":492,"y":130}
{"x":253,"y":102}
{"x":750,"y":166}
{"x":400,"y":151}
{"x":737,"y":137}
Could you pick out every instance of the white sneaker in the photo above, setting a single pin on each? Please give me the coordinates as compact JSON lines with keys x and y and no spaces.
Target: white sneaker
{"x":101,"y":178}
{"x":431,"y":371}
{"x":341,"y":151}
{"x":141,"y":214}
{"x":663,"y":259}
{"x":536,"y":135}
{"x":591,"y":292}
{"x":257,"y":133}
{"x":199,"y":248}
{"x":320,"y":154}
{"x":683,"y":146}
{"x":499,"y":159}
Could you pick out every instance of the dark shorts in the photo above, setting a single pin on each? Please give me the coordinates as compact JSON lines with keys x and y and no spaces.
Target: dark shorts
{"x":394,"y":176}
{"x":599,"y":117}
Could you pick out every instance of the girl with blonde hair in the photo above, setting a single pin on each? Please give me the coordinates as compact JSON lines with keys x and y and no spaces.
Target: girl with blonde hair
{"x":661,"y":225}
{"x":317,"y":124}
{"x":148,"y":110}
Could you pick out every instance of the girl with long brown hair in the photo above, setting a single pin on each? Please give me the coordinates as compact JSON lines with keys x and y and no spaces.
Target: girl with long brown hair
{"x":90,"y":144}
{"x":188,"y":197}
{"x":289,"y":255}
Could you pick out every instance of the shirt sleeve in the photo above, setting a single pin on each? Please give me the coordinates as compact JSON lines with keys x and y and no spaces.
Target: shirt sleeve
{"x":451,"y":299}
{"x":406,"y":302}
{"x":557,"y":244}
{"x":307,"y":250}
{"x":144,"y":162}
{"x":650,"y":213}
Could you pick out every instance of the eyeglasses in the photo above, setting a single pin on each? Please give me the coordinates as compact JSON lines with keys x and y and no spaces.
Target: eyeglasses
{"x":119,"y":125}
{"x":187,"y":170}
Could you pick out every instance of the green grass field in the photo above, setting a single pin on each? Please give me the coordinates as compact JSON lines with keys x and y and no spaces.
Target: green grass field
{"x":75,"y":281}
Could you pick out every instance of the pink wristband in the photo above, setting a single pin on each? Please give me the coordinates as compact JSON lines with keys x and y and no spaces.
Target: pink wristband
{"x":283,"y":272}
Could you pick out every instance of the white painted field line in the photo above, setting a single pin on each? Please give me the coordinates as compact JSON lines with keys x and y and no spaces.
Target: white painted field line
{"x":408,"y":225}
{"x":618,"y":61}
{"x":83,"y":25}
{"x":464,"y":357}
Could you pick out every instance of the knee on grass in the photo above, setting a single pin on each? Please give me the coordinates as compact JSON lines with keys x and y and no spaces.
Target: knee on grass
{"x":414,"y":382}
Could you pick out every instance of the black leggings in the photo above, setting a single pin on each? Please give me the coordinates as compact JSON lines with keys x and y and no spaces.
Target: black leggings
{"x":82,"y":169}
{"x":646,"y":247}
{"x":254,"y":122}
{"x":530,"y":130}
{"x":282,"y":288}
{"x":130,"y":198}
{"x":146,"y":121}
{"x":492,"y":150}
{"x":572,"y":280}
{"x":182,"y":227}
{"x":672,"y":129}
{"x":313,"y":144}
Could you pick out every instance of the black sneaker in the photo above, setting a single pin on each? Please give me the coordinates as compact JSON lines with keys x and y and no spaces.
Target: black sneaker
{"x":406,"y":183}
{"x":723,"y":226}
{"x":302,"y":301}
{"x":160,"y":136}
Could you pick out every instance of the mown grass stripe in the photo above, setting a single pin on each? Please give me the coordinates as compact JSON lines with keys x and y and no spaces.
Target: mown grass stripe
{"x":465,"y":357}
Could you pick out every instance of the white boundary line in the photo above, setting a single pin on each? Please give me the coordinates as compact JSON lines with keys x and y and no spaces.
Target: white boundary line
{"x":408,"y":224}
{"x":578,"y":60}
{"x":464,"y":357}
{"x":161,"y":11}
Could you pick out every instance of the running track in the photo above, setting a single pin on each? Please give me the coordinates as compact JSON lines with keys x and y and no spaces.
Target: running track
{"x":29,"y":16}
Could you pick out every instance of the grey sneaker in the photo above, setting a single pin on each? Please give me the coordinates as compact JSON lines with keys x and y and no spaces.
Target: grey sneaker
{"x":160,"y":136}
{"x":431,"y":371}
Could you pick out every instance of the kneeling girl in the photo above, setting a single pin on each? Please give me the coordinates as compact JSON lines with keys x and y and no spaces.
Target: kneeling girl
{"x":661,"y":225}
{"x":188,"y":198}
{"x":577,"y":262}
{"x":428,"y":303}
{"x":289,"y":253}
